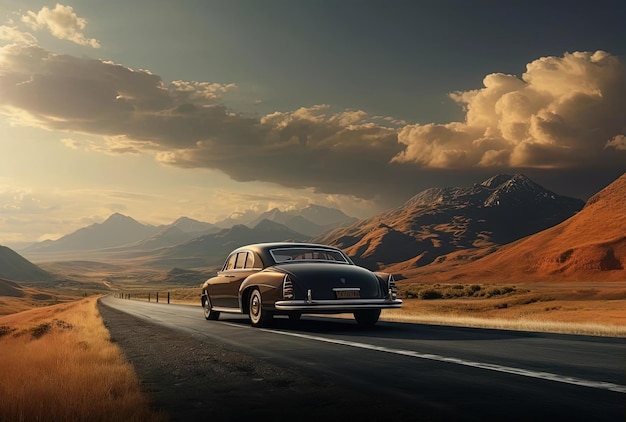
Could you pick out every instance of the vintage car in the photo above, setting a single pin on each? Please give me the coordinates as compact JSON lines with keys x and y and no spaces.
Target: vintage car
{"x":267,"y":279}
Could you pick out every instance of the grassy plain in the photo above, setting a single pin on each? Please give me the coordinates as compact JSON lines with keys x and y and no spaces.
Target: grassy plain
{"x":58,"y":364}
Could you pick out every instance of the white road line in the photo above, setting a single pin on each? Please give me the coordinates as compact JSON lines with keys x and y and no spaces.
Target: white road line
{"x":488,"y":366}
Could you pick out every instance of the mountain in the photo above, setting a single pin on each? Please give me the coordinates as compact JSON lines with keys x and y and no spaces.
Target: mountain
{"x":212,"y":249}
{"x":312,"y":220}
{"x":439,"y":221}
{"x":17,"y":268}
{"x":169,"y":236}
{"x":120,"y":234}
{"x":116,"y":230}
{"x":590,"y":246}
{"x":192,"y":226}
{"x":180,"y":231}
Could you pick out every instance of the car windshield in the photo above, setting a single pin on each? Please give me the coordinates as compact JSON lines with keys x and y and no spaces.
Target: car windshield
{"x":308,"y":254}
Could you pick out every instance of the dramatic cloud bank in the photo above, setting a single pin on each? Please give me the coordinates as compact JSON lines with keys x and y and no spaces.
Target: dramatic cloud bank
{"x":564,"y":112}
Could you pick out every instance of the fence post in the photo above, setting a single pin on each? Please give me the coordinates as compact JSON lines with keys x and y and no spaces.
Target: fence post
{"x":148,"y":297}
{"x":157,"y":295}
{"x":168,"y":298}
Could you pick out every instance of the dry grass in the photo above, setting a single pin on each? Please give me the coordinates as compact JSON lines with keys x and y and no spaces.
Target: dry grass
{"x":528,"y":323}
{"x":589,"y":309}
{"x":59,"y":364}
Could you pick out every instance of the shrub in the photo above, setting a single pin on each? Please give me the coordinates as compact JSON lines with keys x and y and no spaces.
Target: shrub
{"x":5,"y":329}
{"x":430,"y":294}
{"x":494,"y":292}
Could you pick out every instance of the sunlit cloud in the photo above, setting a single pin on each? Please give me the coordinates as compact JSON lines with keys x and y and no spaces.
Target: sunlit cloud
{"x":11,"y":34}
{"x":14,"y":201}
{"x":618,"y":142}
{"x":71,"y":143}
{"x":563,"y":112}
{"x":198,"y":92}
{"x":62,"y":22}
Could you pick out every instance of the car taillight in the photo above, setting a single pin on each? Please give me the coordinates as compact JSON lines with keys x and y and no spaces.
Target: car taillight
{"x":391,"y":284}
{"x":287,"y":288}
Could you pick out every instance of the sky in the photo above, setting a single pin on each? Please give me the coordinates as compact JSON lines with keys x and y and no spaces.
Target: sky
{"x":212,"y":108}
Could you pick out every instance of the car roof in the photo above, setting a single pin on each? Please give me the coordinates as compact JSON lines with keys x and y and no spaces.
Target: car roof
{"x":263,"y":247}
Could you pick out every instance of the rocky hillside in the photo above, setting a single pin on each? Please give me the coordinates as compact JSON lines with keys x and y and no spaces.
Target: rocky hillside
{"x":439,"y":221}
{"x":591,"y":245}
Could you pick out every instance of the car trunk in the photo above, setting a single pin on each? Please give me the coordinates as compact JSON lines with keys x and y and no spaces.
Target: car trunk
{"x":329,"y":281}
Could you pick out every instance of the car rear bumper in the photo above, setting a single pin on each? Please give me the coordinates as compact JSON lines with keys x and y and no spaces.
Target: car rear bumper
{"x":339,"y":305}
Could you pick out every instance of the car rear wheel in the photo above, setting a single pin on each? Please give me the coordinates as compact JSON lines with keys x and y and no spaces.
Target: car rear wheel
{"x":367,"y":317}
{"x":258,"y":316}
{"x":209,"y":313}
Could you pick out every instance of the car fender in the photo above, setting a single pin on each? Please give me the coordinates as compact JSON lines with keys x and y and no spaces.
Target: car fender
{"x":268,"y":283}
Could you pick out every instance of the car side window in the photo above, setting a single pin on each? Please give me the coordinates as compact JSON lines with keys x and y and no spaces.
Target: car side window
{"x":230,"y":264}
{"x":241,"y":260}
{"x":250,"y":260}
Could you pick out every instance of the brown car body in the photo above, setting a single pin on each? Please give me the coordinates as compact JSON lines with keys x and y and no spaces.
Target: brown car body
{"x":285,"y":278}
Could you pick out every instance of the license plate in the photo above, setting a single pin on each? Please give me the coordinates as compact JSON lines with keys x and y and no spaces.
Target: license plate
{"x":348,"y":294}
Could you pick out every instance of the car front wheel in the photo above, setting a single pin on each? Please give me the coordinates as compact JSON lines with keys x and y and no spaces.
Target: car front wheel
{"x":367,"y":317}
{"x":258,"y":316}
{"x":209,"y":313}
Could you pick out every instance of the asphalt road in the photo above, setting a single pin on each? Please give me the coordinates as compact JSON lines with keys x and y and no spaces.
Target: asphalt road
{"x":442,"y":373}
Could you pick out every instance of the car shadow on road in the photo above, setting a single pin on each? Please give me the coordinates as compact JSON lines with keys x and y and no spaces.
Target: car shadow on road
{"x":323,"y":325}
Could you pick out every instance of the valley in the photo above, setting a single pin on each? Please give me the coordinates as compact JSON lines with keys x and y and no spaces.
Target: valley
{"x":454,"y":259}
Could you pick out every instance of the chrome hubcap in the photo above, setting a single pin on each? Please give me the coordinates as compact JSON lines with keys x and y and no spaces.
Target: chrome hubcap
{"x":254,"y":306}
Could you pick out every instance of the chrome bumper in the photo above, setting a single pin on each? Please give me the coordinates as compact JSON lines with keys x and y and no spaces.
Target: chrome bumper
{"x":338,"y":305}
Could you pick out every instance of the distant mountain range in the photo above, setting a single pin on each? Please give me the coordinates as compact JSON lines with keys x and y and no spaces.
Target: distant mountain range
{"x":438,"y":231}
{"x":439,"y":221}
{"x":123,"y":233}
{"x":311,"y":220}
{"x":212,"y":249}
{"x":116,"y":230}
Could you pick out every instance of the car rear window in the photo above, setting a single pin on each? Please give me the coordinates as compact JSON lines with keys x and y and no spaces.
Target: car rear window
{"x":308,"y":254}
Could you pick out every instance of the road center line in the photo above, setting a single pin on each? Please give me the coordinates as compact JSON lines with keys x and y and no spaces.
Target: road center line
{"x":488,"y":366}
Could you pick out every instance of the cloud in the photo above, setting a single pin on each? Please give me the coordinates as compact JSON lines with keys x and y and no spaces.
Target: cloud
{"x":62,"y":22}
{"x":19,"y":201}
{"x":564,"y":112}
{"x":618,"y":142}
{"x":14,"y":35}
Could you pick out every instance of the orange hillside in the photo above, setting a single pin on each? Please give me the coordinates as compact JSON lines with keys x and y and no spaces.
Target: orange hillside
{"x":590,"y":246}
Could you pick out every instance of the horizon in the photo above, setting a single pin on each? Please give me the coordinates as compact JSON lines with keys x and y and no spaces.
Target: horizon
{"x":245,"y":106}
{"x":243,"y":219}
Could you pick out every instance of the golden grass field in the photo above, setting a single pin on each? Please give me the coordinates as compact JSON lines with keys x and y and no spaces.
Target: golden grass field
{"x":58,"y":365}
